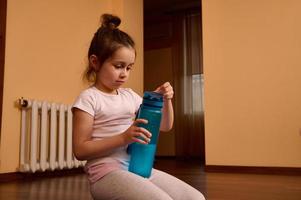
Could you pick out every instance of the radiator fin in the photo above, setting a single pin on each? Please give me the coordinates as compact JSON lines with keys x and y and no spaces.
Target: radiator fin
{"x":46,"y":137}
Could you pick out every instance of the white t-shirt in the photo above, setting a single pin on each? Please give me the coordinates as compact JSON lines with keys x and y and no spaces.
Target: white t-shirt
{"x":113,"y":114}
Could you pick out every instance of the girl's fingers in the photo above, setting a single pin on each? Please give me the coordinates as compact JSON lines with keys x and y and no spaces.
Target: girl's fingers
{"x":139,"y":141}
{"x":145,"y":132}
{"x":141,"y":129}
{"x":157,"y":89}
{"x":163,"y":88}
{"x":166,"y":84}
{"x":166,"y":87}
{"x":139,"y":121}
{"x":139,"y":136}
{"x":168,"y":95}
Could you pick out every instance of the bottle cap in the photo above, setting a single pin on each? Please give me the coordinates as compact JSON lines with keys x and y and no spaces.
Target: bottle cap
{"x":153,"y":99}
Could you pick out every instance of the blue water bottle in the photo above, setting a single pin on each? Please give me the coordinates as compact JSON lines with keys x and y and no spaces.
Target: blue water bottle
{"x":142,"y":155}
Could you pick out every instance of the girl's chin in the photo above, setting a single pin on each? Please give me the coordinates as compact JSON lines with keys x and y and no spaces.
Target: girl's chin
{"x":117,"y":85}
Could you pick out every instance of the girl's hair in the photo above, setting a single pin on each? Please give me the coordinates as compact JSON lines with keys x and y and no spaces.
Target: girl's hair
{"x":107,"y":39}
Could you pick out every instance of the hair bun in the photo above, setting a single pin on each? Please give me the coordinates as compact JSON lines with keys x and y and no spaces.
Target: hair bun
{"x":110,"y":21}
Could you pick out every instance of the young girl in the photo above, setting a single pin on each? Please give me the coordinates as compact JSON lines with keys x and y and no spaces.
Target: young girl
{"x":103,"y":124}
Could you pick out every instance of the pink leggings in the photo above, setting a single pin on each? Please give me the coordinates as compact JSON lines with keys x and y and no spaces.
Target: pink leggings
{"x":121,"y":184}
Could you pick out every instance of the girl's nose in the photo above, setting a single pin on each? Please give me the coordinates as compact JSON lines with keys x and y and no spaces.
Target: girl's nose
{"x":123,"y":73}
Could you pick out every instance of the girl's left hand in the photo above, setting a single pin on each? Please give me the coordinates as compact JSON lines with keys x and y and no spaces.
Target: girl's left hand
{"x":166,"y":90}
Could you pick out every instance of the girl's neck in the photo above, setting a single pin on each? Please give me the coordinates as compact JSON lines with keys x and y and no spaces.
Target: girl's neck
{"x":104,"y":89}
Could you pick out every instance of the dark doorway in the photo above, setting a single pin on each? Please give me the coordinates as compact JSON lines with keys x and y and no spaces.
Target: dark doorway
{"x":3,"y":8}
{"x":173,"y":52}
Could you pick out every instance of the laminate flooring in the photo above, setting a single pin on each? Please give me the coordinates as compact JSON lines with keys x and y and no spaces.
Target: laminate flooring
{"x":215,"y":186}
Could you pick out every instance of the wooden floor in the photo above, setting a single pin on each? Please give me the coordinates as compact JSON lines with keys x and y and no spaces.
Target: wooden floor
{"x":215,"y":186}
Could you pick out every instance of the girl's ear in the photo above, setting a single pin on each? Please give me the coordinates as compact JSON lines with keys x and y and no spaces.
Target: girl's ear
{"x":94,"y":62}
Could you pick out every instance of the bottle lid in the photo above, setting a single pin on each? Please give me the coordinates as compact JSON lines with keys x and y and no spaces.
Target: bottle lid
{"x":153,"y":99}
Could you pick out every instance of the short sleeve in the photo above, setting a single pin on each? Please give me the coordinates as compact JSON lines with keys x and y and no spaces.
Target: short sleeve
{"x":137,"y":99}
{"x":86,"y":102}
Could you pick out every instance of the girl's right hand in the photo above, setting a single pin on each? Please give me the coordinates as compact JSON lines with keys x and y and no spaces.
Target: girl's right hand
{"x":137,"y":134}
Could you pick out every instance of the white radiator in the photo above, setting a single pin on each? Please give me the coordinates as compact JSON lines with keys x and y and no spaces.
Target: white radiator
{"x":46,"y":137}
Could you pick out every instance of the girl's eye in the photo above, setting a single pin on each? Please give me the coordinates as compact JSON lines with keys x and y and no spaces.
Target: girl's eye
{"x":118,"y":66}
{"x":122,"y":66}
{"x":130,"y":67}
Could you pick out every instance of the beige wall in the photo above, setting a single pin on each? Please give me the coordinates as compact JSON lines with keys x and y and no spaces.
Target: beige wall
{"x":46,"y":47}
{"x":133,"y":15}
{"x":252,"y":82}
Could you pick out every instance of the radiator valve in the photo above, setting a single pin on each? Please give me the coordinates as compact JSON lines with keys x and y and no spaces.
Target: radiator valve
{"x":23,"y":102}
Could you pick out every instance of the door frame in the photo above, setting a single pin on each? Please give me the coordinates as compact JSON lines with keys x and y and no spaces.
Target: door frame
{"x":3,"y":12}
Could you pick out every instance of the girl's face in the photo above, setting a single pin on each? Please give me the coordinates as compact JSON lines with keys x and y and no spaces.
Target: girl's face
{"x":115,"y":71}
